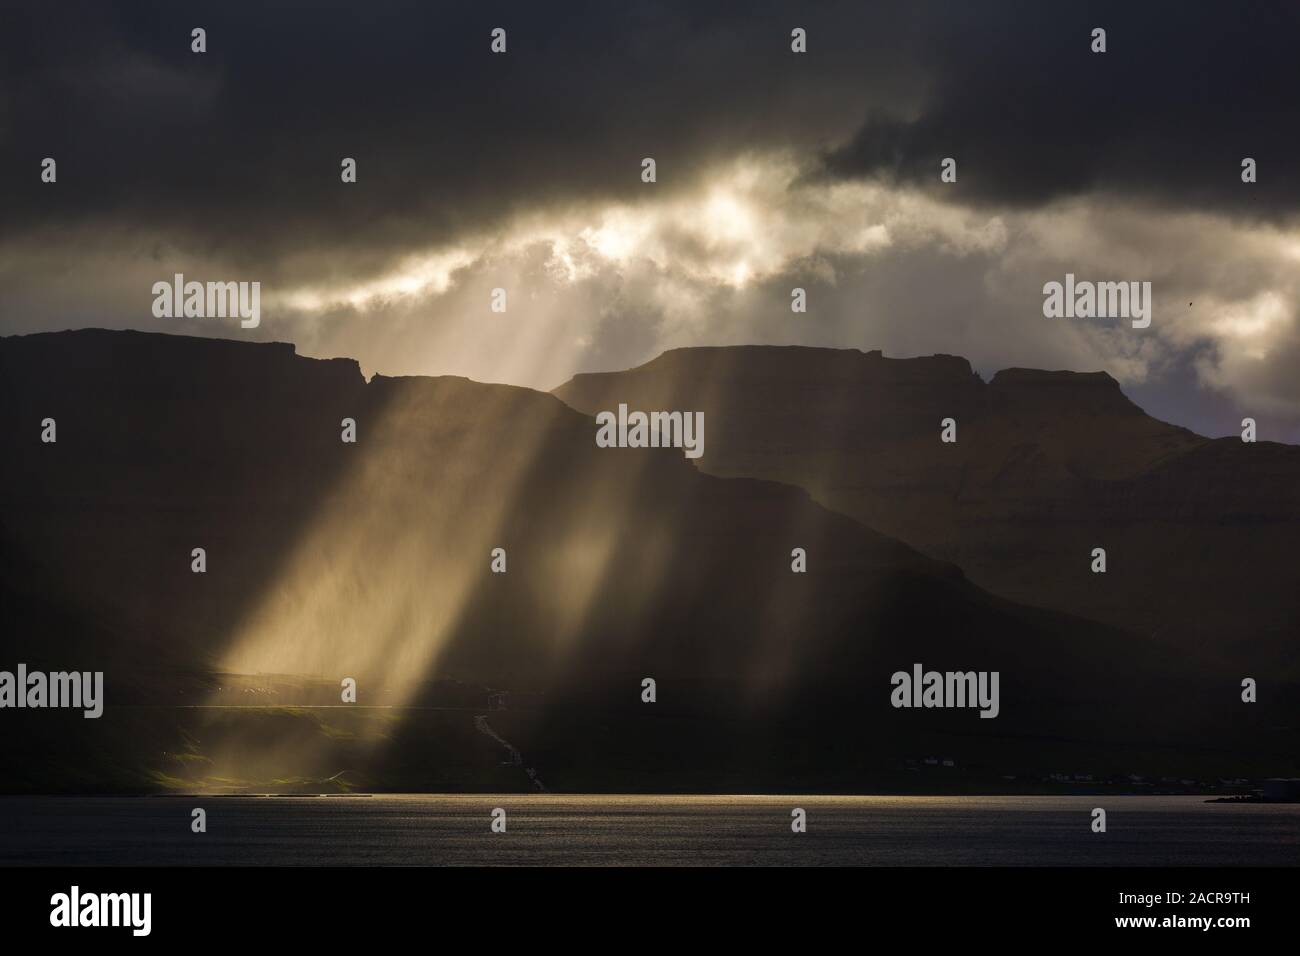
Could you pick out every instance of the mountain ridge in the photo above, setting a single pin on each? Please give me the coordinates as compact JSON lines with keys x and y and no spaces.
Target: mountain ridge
{"x":372,"y":560}
{"x":1045,"y":467}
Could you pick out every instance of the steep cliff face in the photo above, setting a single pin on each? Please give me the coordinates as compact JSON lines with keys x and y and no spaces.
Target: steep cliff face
{"x":373,"y":560}
{"x":318,"y":549}
{"x":1046,"y":467}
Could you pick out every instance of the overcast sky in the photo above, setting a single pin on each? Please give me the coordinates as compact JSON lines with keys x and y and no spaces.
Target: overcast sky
{"x":522,"y":171}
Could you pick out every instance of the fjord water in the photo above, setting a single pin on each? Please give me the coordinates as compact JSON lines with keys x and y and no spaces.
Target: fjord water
{"x":543,"y":829}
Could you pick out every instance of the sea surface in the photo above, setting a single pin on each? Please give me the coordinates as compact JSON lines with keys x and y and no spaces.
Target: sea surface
{"x":436,"y":830}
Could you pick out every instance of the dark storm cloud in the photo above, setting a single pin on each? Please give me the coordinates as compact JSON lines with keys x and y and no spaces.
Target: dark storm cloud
{"x":1184,"y":92}
{"x":236,"y":152}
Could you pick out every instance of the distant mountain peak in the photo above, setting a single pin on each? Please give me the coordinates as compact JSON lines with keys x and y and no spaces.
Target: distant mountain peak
{"x":1036,"y":376}
{"x":784,"y":362}
{"x":1089,"y":393}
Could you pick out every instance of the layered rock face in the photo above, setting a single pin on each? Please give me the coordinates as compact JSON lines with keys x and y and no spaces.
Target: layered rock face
{"x":1047,"y":466}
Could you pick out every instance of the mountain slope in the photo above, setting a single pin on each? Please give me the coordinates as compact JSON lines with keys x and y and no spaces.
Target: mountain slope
{"x":372,"y":561}
{"x":1047,"y":466}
